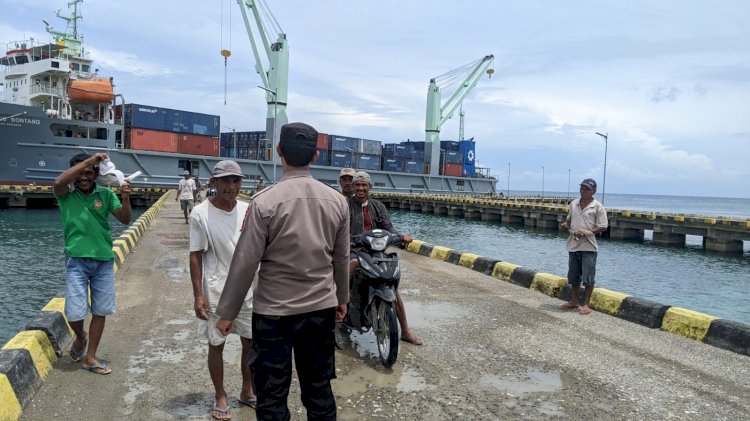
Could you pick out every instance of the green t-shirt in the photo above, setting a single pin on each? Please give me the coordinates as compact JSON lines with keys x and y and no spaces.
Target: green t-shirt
{"x":86,"y":223}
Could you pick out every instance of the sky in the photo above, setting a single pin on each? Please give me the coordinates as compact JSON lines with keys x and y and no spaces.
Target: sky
{"x":667,"y":81}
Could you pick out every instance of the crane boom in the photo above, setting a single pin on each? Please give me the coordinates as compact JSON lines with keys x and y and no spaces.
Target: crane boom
{"x":438,"y":114}
{"x":274,"y":75}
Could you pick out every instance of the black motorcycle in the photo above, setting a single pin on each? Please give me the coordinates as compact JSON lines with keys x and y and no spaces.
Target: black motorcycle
{"x":372,"y":298}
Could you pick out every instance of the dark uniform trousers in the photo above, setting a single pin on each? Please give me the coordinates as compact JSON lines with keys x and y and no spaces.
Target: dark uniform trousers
{"x":311,"y":337}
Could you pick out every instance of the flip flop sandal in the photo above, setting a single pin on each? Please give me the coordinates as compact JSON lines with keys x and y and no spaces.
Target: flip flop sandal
{"x":76,"y":354}
{"x":99,"y":369}
{"x":248,"y":402}
{"x":223,"y":411}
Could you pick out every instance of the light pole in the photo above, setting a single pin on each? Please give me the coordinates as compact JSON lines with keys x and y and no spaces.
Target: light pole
{"x":508,"y":179}
{"x":604,"y":182}
{"x":273,"y":133}
{"x":568,"y":183}
{"x":234,"y":141}
{"x":542,"y":182}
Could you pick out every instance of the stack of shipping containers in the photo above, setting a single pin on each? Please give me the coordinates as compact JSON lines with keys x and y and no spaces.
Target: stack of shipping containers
{"x":158,"y":129}
{"x":244,"y":145}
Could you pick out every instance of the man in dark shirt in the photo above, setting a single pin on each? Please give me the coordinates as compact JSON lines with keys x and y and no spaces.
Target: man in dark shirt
{"x":346,"y":181}
{"x":366,"y":214}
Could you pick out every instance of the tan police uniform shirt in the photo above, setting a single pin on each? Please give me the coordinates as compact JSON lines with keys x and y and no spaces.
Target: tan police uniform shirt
{"x":592,"y":216}
{"x":298,"y":230}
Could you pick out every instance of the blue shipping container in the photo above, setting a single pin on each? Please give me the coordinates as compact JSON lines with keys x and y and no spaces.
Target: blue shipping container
{"x":370,"y":147}
{"x":342,"y":143}
{"x":342,"y":159}
{"x":393,"y":164}
{"x":415,"y":167}
{"x":368,"y":162}
{"x":389,"y":150}
{"x":323,"y":158}
{"x":403,"y":150}
{"x":450,"y":145}
{"x":415,"y":146}
{"x":453,"y":157}
{"x":169,"y":120}
{"x":468,"y":155}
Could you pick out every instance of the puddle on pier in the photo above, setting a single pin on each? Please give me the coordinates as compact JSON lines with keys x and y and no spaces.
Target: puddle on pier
{"x":431,"y":315}
{"x":521,"y":384}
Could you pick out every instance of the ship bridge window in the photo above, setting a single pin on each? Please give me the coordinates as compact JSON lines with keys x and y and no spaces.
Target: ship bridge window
{"x":86,"y":68}
{"x":75,"y":66}
{"x":55,"y":64}
{"x":22,"y":59}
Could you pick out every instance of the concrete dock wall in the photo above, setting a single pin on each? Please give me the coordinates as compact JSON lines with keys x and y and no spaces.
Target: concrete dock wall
{"x":27,"y":358}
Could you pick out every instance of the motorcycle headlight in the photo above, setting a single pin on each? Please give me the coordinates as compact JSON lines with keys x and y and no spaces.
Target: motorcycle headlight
{"x":378,"y":244}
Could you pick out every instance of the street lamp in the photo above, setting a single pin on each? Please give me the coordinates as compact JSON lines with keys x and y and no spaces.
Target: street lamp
{"x":234,"y":141}
{"x":273,"y":132}
{"x":604,"y":183}
{"x":508,"y":179}
{"x":542,"y":182}
{"x":568,"y":183}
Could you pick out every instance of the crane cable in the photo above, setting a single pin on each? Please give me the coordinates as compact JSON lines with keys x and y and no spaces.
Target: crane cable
{"x":225,"y":52}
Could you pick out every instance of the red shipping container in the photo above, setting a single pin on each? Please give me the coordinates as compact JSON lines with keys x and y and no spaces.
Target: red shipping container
{"x":453,"y":170}
{"x":151,"y":140}
{"x":323,"y":141}
{"x":194,"y":144}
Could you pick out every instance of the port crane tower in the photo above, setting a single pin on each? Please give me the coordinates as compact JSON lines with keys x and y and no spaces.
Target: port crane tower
{"x":438,"y":112}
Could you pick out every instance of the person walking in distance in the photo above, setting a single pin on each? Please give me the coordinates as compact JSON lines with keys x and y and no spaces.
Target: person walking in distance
{"x":215,"y":227}
{"x":186,"y":194}
{"x":366,"y":214}
{"x":586,"y":218}
{"x":299,"y":229}
{"x":346,"y":181}
{"x":89,"y":259}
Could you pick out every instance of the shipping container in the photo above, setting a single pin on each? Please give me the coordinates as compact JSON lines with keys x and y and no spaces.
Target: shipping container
{"x":468,"y":154}
{"x":150,"y":140}
{"x":369,"y":147}
{"x":194,"y":144}
{"x":415,"y":146}
{"x":167,"y":119}
{"x":367,"y":162}
{"x":323,"y":157}
{"x":414,"y":167}
{"x":453,"y":170}
{"x":393,"y":164}
{"x":342,"y":159}
{"x":323,"y":142}
{"x":342,"y":143}
{"x":453,"y":157}
{"x":450,"y":145}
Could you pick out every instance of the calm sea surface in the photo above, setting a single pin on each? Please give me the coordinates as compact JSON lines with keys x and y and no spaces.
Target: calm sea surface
{"x":32,"y":263}
{"x":689,"y":277}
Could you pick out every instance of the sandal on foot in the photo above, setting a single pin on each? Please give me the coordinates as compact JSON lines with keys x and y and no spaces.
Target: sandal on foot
{"x":251,"y":402}
{"x":221,"y":413}
{"x":584,"y":310}
{"x":76,"y":354}
{"x":568,"y":306}
{"x":100,"y":368}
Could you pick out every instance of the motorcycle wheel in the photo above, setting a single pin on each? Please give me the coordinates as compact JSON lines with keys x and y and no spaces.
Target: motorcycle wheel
{"x":386,"y":331}
{"x":340,"y":332}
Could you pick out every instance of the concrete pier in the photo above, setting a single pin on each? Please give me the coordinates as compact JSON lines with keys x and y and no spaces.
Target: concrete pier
{"x":494,"y":350}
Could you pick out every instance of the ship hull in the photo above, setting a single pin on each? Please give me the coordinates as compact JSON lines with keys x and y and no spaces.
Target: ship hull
{"x":35,"y":149}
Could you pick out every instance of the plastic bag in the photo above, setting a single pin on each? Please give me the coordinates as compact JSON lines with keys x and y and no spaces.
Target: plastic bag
{"x":111,"y":176}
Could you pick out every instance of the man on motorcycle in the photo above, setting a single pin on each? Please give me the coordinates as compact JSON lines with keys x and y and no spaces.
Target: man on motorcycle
{"x":367,"y":214}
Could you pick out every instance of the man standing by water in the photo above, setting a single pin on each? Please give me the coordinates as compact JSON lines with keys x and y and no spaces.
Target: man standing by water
{"x":367,"y":214}
{"x":186,"y":194}
{"x":89,"y":259}
{"x":299,"y":229}
{"x":214,"y":230}
{"x":346,"y":181}
{"x":586,"y":218}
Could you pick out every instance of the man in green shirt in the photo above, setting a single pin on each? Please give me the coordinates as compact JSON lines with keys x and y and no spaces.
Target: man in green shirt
{"x":89,"y":259}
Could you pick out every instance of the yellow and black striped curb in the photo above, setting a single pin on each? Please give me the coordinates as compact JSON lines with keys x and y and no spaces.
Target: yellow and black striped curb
{"x":27,"y":359}
{"x":712,"y":330}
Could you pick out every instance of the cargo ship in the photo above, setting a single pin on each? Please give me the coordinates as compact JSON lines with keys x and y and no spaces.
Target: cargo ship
{"x":55,"y":105}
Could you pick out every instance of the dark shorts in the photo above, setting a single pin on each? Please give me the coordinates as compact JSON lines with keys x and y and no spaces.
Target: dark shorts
{"x":581,"y":267}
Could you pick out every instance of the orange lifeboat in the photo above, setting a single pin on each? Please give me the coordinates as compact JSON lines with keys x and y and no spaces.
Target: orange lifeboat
{"x":98,"y":90}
